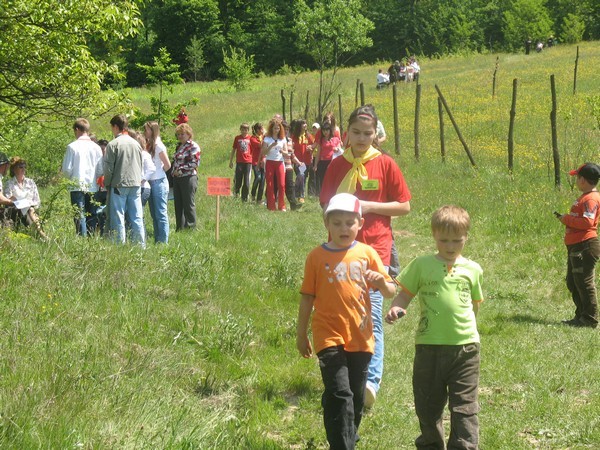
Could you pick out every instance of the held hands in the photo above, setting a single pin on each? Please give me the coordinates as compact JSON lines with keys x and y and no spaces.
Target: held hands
{"x":304,"y":346}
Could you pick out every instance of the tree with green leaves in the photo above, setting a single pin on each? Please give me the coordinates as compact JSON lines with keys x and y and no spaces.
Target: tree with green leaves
{"x":331,"y":31}
{"x":195,"y":57}
{"x":46,"y":68}
{"x":237,"y":68}
{"x":165,"y":74}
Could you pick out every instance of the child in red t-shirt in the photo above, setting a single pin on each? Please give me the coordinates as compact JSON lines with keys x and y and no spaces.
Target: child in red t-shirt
{"x":243,"y":159}
{"x":258,"y":185}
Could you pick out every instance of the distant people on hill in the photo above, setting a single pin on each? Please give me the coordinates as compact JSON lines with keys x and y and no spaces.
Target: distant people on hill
{"x":159,"y":185}
{"x":394,"y":71}
{"x":258,"y":184}
{"x":241,"y":149}
{"x":539,"y":46}
{"x":123,"y":177}
{"x":383,"y":79}
{"x":185,"y":177}
{"x":273,"y":147}
{"x":415,"y":67}
{"x":182,"y":117}
{"x":81,"y":164}
{"x":23,"y":192}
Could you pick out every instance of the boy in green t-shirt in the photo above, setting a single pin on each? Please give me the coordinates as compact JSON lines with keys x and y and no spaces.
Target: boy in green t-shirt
{"x":446,"y":365}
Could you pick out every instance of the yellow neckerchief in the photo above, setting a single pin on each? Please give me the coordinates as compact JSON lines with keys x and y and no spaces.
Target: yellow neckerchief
{"x":357,"y":172}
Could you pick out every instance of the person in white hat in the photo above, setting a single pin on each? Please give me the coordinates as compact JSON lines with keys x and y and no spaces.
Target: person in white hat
{"x":337,"y":279}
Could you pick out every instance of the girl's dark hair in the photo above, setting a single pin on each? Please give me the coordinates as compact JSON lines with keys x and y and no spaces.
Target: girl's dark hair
{"x":256,"y":128}
{"x":298,"y":127}
{"x":329,"y":118}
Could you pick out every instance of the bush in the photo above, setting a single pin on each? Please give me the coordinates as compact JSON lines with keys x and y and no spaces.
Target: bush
{"x":572,"y":29}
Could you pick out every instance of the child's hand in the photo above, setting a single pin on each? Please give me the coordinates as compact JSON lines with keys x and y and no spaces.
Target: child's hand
{"x":394,"y":314}
{"x":231,"y":164}
{"x":304,"y":347}
{"x":375,"y":279}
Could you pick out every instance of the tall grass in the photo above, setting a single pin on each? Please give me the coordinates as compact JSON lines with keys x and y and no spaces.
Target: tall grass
{"x":192,"y":345}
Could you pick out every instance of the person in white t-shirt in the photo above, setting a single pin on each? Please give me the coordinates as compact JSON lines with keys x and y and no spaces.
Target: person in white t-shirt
{"x":80,"y":164}
{"x":159,"y":184}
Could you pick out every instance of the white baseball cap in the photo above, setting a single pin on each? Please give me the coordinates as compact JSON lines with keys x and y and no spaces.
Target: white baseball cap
{"x":344,"y":202}
{"x":316,"y":125}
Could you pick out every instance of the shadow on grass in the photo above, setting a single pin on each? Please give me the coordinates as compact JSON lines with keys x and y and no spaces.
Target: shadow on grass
{"x":500,"y":321}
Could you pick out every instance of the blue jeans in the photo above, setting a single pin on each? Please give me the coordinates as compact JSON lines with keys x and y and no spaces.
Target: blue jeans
{"x":127,"y":200}
{"x":376,"y":365}
{"x":159,"y":198}
{"x":87,"y":220}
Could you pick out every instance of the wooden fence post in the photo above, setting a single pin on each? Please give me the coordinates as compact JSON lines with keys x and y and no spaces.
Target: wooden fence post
{"x":575,"y":71}
{"x":442,"y":138}
{"x":362,"y":94}
{"x":356,"y":93}
{"x":396,"y":126}
{"x":283,"y":103}
{"x":341,"y":121}
{"x":511,"y":127}
{"x":555,"y":153}
{"x":494,"y":78}
{"x":417,"y":114}
{"x":454,"y":124}
{"x":291,"y":106}
{"x":306,"y":108}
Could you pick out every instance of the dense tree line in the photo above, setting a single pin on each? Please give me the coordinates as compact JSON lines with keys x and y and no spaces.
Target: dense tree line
{"x":267,"y":29}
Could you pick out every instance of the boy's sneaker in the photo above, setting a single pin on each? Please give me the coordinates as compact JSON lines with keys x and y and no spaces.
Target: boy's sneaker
{"x":370,"y":396}
{"x":301,"y":200}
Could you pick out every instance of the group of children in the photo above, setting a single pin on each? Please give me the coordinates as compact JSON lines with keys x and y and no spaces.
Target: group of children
{"x":343,"y":275}
{"x":283,"y":159}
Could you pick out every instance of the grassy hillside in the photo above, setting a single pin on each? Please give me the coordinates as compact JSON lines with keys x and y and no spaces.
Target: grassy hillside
{"x":192,"y":345}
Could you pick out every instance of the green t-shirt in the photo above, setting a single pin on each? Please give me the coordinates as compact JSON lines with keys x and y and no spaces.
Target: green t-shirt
{"x":446,"y":295}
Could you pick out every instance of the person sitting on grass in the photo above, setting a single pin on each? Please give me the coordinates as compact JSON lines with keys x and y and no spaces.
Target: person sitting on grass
{"x":6,"y":204}
{"x":446,"y":365}
{"x":583,"y":247}
{"x":24,"y":192}
{"x":337,"y":278}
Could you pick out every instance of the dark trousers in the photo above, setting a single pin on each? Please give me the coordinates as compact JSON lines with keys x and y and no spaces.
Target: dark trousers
{"x":312,"y":180}
{"x":300,"y":182}
{"x":344,"y":375}
{"x":447,"y":373}
{"x":258,"y":185}
{"x":184,"y":192}
{"x":290,"y":189}
{"x":242,"y":179}
{"x":321,"y":169}
{"x":581,"y":279}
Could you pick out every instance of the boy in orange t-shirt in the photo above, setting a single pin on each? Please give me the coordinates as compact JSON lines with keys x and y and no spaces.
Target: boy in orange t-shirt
{"x":337,"y":278}
{"x":583,"y":247}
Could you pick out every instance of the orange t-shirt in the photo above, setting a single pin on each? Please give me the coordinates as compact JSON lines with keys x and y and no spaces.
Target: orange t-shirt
{"x":342,"y":307}
{"x":582,"y":221}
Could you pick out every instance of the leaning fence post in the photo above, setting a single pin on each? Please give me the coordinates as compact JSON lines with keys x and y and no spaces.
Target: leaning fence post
{"x":356,"y":93}
{"x":511,"y":126}
{"x":306,"y":108}
{"x":442,"y":138}
{"x":458,"y":133}
{"x":291,"y":106}
{"x":555,"y":153}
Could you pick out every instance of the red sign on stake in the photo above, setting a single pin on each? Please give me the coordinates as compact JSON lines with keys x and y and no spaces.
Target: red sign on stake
{"x":218,"y":186}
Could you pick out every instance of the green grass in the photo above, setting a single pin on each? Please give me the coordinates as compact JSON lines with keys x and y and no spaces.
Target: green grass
{"x":192,"y":345}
